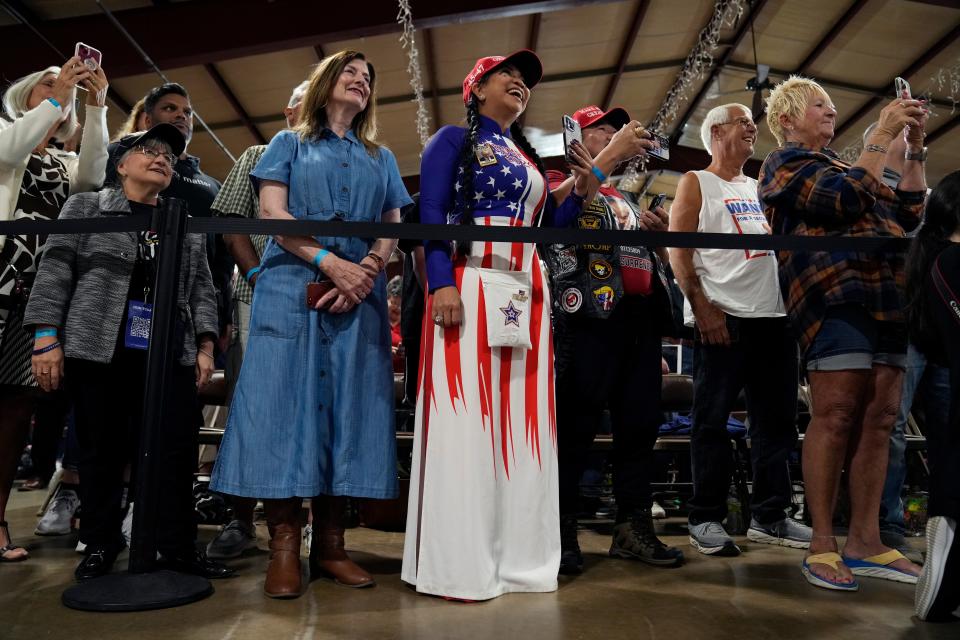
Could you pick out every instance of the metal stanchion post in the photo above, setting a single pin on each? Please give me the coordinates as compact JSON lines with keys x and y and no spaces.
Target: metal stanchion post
{"x":142,"y":587}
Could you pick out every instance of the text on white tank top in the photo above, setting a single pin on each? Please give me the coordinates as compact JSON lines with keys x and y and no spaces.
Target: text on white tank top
{"x":741,"y":282}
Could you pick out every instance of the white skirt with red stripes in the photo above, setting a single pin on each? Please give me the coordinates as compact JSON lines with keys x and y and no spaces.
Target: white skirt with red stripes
{"x":483,"y":516}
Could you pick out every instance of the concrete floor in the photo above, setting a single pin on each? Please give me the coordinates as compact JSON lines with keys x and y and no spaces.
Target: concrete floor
{"x":759,"y":595}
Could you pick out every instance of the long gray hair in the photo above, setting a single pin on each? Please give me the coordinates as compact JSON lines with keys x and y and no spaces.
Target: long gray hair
{"x":17,"y":94}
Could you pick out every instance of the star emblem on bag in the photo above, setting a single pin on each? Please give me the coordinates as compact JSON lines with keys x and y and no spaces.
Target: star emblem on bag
{"x":512,"y":314}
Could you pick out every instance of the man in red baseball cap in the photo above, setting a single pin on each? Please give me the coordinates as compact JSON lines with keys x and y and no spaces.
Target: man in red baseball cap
{"x":613,"y":306}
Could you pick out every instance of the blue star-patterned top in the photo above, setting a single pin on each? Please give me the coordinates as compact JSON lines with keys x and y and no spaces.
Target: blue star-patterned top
{"x":511,"y":186}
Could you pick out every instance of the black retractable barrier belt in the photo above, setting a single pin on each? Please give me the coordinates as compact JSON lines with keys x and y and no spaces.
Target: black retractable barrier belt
{"x":109,"y":224}
{"x":462,"y":233}
{"x":545,"y":235}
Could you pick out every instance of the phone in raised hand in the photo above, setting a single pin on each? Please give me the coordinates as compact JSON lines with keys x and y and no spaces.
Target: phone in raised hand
{"x":89,"y":56}
{"x":571,"y":132}
{"x":903,"y":88}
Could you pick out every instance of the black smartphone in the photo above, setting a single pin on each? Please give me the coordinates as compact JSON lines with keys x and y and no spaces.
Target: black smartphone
{"x":662,"y":151}
{"x":657,"y":201}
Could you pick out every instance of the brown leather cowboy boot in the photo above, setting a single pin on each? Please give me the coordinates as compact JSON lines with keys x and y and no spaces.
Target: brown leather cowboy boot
{"x":327,"y":556}
{"x":283,"y":573}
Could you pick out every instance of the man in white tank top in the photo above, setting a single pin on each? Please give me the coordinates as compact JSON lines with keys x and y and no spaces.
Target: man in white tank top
{"x":742,"y":343}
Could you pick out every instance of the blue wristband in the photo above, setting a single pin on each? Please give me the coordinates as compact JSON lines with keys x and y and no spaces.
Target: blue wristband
{"x":601,"y":176}
{"x":45,"y":333}
{"x":54,"y":102}
{"x":254,"y":271}
{"x":321,"y":254}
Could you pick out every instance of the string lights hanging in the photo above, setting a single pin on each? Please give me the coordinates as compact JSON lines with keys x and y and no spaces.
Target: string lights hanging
{"x":408,"y":41}
{"x":726,"y":13}
{"x":945,"y":82}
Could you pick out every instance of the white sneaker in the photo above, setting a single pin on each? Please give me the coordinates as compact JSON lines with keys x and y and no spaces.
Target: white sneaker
{"x":933,"y":599}
{"x":657,"y":512}
{"x":785,"y":533}
{"x":710,"y":538}
{"x":56,"y":520}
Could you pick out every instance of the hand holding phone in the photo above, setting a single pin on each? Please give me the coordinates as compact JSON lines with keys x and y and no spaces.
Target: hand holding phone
{"x":657,"y":201}
{"x":571,"y":133}
{"x":662,"y":150}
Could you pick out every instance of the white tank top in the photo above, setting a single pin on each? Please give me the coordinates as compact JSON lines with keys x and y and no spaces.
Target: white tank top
{"x":741,"y":282}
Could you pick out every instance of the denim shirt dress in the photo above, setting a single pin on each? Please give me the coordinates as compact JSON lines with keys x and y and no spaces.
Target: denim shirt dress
{"x":313,"y":409}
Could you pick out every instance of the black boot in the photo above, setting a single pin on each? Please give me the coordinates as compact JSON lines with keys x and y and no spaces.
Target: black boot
{"x":636,"y":539}
{"x":571,"y":560}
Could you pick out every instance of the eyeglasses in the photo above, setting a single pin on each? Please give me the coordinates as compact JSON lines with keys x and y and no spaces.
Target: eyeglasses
{"x":153,"y":153}
{"x":743,"y":122}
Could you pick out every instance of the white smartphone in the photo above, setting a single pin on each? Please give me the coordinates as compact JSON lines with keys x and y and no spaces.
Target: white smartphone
{"x":571,"y":132}
{"x":903,"y":88}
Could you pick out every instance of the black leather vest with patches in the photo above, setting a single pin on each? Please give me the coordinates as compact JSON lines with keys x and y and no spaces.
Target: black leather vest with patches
{"x":586,"y":280}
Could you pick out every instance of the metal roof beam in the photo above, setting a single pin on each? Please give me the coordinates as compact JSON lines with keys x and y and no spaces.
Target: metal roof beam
{"x":917,"y":64}
{"x":237,"y":107}
{"x":724,"y":59}
{"x":273,"y":26}
{"x":828,"y":39}
{"x":625,"y":50}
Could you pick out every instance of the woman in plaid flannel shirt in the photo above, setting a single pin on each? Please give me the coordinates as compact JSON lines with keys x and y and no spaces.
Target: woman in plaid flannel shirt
{"x":846,"y":309}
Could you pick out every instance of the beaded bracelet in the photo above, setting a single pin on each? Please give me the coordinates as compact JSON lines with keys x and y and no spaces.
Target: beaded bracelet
{"x":378,"y":260}
{"x":49,"y":347}
{"x":45,"y":333}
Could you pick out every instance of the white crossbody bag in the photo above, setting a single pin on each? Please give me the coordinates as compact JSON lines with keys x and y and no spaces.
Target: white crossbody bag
{"x":507,"y":297}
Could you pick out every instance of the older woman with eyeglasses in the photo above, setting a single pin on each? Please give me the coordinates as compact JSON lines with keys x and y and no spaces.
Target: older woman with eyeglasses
{"x":846,"y":309}
{"x":91,"y":309}
{"x":36,"y":176}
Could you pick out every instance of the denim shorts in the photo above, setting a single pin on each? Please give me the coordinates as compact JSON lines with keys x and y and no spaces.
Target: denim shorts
{"x":850,"y":338}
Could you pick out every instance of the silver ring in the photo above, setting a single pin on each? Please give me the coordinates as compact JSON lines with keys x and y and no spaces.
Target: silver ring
{"x":43,"y":373}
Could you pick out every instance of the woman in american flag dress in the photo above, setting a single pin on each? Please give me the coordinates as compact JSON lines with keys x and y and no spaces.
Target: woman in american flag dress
{"x":483,"y":516}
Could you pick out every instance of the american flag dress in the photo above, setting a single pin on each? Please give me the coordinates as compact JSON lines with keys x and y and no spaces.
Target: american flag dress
{"x":483,"y":516}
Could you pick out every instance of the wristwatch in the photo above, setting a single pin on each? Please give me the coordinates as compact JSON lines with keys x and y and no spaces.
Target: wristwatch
{"x":921,"y":156}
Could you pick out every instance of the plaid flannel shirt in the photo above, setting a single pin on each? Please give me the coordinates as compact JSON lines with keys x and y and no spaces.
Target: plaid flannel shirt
{"x":814,"y":193}
{"x":237,"y":198}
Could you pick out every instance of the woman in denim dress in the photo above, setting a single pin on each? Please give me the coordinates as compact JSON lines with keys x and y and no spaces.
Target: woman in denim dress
{"x":312,"y":415}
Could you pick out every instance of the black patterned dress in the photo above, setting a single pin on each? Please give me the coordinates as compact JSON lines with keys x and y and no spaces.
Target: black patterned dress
{"x":43,"y":192}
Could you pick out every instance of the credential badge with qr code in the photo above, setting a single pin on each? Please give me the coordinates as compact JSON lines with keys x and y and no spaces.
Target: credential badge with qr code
{"x":139,"y":317}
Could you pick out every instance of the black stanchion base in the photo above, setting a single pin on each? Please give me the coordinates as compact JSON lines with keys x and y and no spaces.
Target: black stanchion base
{"x":137,"y":591}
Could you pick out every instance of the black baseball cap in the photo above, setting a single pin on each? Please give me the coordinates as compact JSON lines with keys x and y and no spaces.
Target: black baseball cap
{"x":164,"y":131}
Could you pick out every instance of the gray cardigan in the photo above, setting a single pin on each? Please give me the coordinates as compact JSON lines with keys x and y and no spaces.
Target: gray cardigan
{"x":83,"y":280}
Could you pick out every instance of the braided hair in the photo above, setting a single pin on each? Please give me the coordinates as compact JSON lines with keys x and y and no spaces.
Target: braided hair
{"x":463,"y":209}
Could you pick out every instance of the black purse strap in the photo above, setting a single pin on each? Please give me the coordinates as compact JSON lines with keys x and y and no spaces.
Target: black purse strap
{"x":947,"y":294}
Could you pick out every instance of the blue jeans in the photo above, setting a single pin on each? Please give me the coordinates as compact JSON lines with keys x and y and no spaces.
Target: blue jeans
{"x":937,"y":404}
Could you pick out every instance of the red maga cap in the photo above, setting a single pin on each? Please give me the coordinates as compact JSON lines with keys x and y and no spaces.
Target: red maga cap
{"x":525,"y":60}
{"x":591,"y":115}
